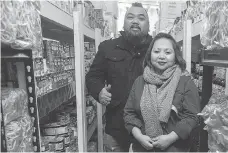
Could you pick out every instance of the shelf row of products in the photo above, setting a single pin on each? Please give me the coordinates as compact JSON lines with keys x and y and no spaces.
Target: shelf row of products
{"x":212,"y":16}
{"x":218,"y":79}
{"x":60,"y":133}
{"x":66,"y":6}
{"x":57,"y":56}
{"x":194,"y":12}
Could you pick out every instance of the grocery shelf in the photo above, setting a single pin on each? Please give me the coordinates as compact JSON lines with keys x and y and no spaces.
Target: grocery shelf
{"x":88,"y":32}
{"x":57,"y":24}
{"x":9,"y":53}
{"x":56,"y":15}
{"x":196,"y":30}
{"x":25,"y":56}
{"x":48,"y":102}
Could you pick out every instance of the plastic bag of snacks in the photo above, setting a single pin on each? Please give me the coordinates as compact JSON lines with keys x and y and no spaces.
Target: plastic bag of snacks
{"x":28,"y":21}
{"x":18,"y":123}
{"x":215,"y":116}
{"x":215,"y":25}
{"x":8,"y":22}
{"x":19,"y":135}
{"x":21,"y":24}
{"x":14,"y":103}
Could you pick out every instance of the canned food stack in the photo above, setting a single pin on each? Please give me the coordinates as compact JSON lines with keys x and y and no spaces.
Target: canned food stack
{"x":60,"y":136}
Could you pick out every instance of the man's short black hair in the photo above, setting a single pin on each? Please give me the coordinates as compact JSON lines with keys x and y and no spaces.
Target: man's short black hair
{"x":136,"y":4}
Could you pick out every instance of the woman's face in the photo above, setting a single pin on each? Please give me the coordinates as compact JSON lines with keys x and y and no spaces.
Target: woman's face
{"x":162,"y":54}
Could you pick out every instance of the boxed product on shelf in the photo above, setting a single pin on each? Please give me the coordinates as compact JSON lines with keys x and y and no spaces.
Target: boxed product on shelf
{"x":63,"y":117}
{"x":55,"y":128}
{"x":44,"y":144}
{"x":56,"y":143}
{"x":66,"y":114}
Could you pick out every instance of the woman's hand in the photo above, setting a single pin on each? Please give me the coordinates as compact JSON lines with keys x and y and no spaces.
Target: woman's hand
{"x":164,"y":141}
{"x":144,"y":140}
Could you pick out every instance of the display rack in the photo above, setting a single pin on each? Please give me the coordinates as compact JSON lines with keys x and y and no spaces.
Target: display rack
{"x":190,"y":37}
{"x":59,"y":25}
{"x":80,"y":36}
{"x":9,"y":54}
{"x":209,"y":60}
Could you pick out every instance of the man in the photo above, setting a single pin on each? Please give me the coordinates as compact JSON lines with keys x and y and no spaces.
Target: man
{"x":117,"y":64}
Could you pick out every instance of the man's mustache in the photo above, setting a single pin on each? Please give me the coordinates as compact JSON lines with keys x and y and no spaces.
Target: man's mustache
{"x":135,"y":26}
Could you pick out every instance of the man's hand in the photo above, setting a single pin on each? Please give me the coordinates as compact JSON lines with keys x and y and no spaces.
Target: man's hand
{"x":164,"y":141}
{"x":105,"y":96}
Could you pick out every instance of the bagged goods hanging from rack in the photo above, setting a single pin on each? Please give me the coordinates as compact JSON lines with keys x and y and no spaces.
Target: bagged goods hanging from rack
{"x":8,"y":22}
{"x":18,"y":123}
{"x":215,"y":116}
{"x":14,"y":102}
{"x":215,"y":25}
{"x":19,"y":135}
{"x":21,"y":25}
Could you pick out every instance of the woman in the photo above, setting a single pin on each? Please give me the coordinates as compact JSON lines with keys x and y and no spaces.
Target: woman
{"x":162,"y":107}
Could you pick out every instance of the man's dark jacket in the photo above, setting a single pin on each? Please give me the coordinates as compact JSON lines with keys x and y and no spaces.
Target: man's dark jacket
{"x":118,"y":63}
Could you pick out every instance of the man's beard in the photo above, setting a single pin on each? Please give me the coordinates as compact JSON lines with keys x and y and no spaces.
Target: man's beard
{"x":135,"y":38}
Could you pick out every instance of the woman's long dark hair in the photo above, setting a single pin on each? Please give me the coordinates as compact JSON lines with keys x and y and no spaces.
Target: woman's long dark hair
{"x":178,"y":57}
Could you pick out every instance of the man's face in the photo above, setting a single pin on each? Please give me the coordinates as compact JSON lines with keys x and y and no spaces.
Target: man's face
{"x":136,"y":23}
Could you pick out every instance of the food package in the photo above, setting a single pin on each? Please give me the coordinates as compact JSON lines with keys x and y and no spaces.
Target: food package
{"x":215,"y":26}
{"x":92,"y":147}
{"x":215,"y":116}
{"x":21,"y":25}
{"x":19,"y":135}
{"x":63,"y":117}
{"x":8,"y":22}
{"x":29,"y":32}
{"x":213,"y":145}
{"x":14,"y":103}
{"x":55,"y":128}
{"x":18,"y":123}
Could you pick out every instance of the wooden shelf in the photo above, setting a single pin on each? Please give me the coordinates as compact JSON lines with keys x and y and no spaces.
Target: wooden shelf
{"x":91,"y":128}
